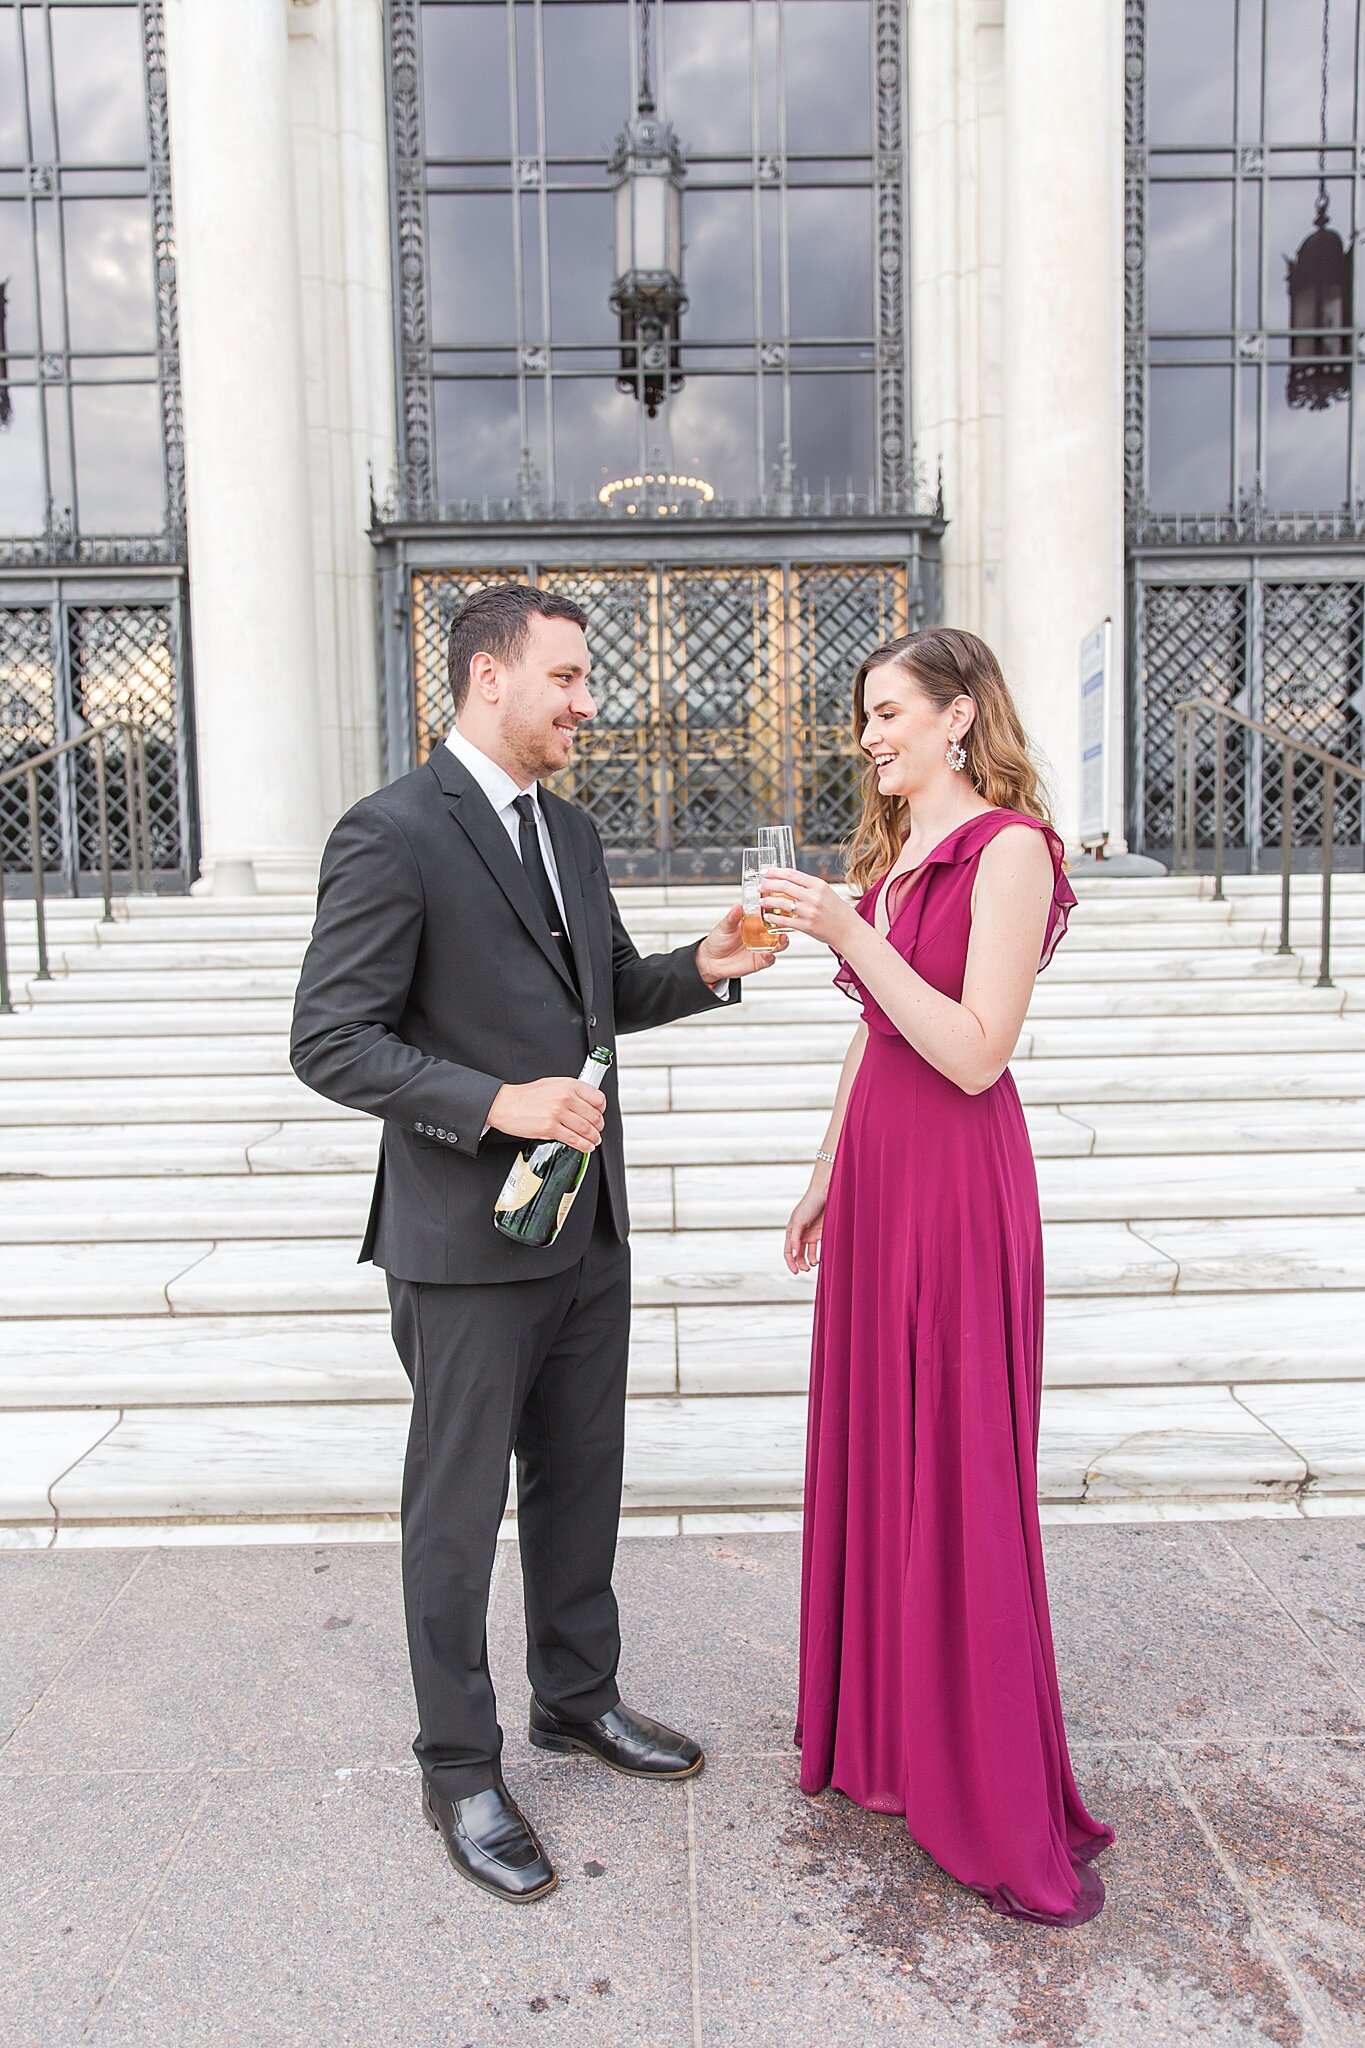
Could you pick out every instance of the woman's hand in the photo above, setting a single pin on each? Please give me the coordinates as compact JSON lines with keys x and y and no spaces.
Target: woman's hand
{"x":801,"y":1247}
{"x":793,"y":902}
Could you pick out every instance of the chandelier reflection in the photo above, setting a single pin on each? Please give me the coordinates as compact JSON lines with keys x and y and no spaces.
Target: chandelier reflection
{"x":656,"y":494}
{"x":648,"y":168}
{"x":1320,"y":282}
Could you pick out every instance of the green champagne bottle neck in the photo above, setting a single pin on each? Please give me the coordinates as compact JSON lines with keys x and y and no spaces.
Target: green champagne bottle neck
{"x":595,"y":1066}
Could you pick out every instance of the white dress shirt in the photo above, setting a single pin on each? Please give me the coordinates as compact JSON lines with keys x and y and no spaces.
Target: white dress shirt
{"x":502,"y":792}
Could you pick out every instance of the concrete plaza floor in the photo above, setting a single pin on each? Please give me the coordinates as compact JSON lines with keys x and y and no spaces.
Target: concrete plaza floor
{"x":210,"y":1829}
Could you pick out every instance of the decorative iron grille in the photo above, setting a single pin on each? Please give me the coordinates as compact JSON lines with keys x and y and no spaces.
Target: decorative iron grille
{"x":64,"y":666}
{"x":28,"y":727}
{"x":1291,"y":653}
{"x":723,"y":697}
{"x":1312,"y":687}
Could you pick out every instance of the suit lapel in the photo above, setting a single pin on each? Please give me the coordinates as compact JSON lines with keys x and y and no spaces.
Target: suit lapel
{"x":570,"y":888}
{"x":481,"y":825}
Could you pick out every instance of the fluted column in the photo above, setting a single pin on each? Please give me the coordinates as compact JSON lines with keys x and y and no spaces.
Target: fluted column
{"x":1062,"y":454}
{"x":246,"y":456}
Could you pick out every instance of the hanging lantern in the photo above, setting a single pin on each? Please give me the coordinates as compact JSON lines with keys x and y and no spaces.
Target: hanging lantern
{"x":1320,"y":286}
{"x":648,"y":169}
{"x":1320,"y":315}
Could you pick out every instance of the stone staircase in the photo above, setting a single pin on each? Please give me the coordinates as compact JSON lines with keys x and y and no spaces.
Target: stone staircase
{"x":190,"y":1351}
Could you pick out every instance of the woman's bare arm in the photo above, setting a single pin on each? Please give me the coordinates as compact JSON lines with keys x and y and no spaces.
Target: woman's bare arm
{"x":970,"y":1042}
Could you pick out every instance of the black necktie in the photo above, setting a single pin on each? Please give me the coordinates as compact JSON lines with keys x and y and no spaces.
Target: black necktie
{"x":533,"y":860}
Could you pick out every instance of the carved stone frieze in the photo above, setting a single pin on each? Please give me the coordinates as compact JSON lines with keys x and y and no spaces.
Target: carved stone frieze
{"x":893,"y":425}
{"x":416,"y":478}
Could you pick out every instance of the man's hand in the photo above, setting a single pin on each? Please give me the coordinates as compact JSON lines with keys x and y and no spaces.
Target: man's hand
{"x":722,"y":956}
{"x":555,"y":1108}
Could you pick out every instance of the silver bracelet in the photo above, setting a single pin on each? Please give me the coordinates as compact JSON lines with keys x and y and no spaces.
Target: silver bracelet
{"x":828,"y":1156}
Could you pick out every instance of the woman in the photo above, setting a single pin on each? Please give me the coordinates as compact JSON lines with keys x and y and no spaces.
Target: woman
{"x":928,"y":1685}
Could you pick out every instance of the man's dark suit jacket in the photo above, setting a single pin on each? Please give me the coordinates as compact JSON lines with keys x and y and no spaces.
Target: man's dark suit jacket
{"x":432,"y":978}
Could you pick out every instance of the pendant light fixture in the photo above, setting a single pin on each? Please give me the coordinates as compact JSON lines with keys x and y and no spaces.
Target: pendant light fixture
{"x":648,"y":168}
{"x":1320,"y":282}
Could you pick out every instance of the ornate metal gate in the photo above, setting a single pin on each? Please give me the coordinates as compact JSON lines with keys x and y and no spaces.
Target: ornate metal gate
{"x":1287,"y":649}
{"x":723,"y":698}
{"x":64,"y":664}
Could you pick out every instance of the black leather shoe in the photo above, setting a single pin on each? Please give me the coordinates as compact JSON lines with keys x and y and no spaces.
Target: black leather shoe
{"x":627,"y":1741}
{"x":490,"y":1842}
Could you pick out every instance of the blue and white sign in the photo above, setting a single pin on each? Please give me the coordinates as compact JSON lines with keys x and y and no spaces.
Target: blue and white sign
{"x":1096,"y":654}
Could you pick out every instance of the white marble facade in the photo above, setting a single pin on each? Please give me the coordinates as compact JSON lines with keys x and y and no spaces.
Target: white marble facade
{"x":1016,"y":321}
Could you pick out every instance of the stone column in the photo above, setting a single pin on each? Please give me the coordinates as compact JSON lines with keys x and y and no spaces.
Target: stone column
{"x":1062,"y":453}
{"x":341,"y":175}
{"x":246,"y":455}
{"x":956,"y":118}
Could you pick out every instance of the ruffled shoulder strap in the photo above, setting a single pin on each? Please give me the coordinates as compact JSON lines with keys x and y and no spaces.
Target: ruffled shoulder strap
{"x":965,"y":844}
{"x":1063,"y":895}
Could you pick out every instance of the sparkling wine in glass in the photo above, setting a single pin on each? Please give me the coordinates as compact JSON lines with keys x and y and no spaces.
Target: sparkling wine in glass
{"x":775,"y":848}
{"x":754,"y":931}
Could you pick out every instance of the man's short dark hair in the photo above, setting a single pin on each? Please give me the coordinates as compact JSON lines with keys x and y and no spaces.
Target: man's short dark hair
{"x":496,"y":620}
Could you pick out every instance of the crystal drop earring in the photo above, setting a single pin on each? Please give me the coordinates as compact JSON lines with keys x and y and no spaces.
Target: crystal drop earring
{"x":956,"y":756}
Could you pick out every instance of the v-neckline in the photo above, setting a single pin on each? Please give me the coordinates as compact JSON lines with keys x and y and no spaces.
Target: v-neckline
{"x":908,"y":874}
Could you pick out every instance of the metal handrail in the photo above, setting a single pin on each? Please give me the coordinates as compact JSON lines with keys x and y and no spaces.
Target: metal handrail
{"x":1187,"y":714}
{"x":139,"y":830}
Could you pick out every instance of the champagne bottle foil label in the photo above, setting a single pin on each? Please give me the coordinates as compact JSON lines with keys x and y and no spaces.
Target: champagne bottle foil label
{"x":521,"y":1185}
{"x":565,"y":1207}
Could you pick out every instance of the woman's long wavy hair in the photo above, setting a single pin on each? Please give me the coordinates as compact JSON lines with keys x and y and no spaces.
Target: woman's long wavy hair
{"x":945,"y":663}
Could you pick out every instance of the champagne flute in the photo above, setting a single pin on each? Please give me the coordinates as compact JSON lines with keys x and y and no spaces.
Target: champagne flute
{"x":776,"y":846}
{"x":776,"y":849}
{"x":755,"y":931}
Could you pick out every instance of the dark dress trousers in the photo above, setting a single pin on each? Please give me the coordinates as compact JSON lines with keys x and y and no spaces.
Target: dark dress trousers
{"x":432,"y":978}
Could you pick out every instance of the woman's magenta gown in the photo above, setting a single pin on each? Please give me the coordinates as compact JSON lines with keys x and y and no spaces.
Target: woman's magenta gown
{"x":928,"y":1685}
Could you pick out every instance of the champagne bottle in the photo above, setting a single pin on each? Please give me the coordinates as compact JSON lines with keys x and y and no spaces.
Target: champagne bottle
{"x":538,"y":1193}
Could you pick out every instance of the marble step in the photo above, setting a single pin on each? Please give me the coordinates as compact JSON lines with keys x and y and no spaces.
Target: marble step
{"x":172,"y":973}
{"x":175,"y":1465}
{"x":271,"y":1097}
{"x":206,"y":923}
{"x":64,"y":956}
{"x":141,"y":1012}
{"x":1148,"y":1340}
{"x":1189,"y":1077}
{"x":703,"y":1198}
{"x":225,"y":1361}
{"x":674,"y":1138}
{"x":221,"y":987}
{"x":1074,"y":1190}
{"x":1247,"y":1126}
{"x":319,"y":1276}
{"x":275,"y":1096}
{"x":1087,"y":882}
{"x":197,"y":952}
{"x":716,"y":1040}
{"x":1133,"y":895}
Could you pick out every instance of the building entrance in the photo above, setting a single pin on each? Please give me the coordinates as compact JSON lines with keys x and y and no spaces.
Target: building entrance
{"x":723,"y":694}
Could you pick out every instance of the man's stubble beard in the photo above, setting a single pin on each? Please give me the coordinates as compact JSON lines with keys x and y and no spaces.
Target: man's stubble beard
{"x":526,"y":743}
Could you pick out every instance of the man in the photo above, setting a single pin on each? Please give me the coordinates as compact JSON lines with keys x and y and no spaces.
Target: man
{"x":467,"y":955}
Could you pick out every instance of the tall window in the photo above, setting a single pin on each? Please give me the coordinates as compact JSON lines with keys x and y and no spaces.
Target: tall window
{"x":92,"y":538}
{"x":1245,"y":393}
{"x":89,"y":413}
{"x":790,"y":116}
